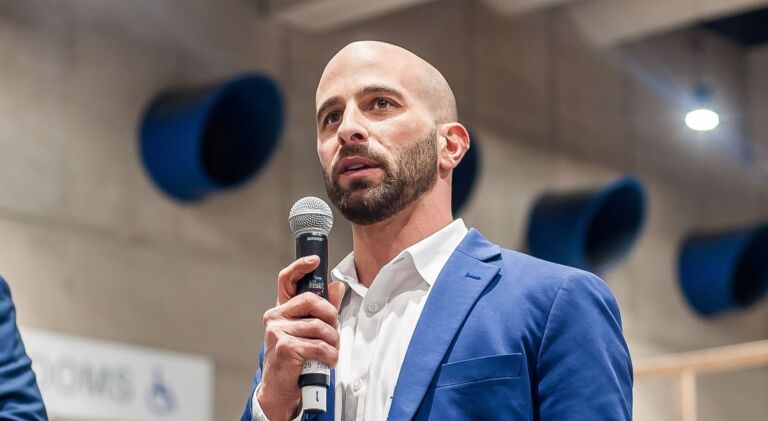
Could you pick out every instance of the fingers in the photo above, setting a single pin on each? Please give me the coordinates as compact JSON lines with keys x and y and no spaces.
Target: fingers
{"x":304,"y":325}
{"x":306,"y":305}
{"x":302,"y":349}
{"x":304,"y":328}
{"x":289,"y":277}
{"x":299,"y":328}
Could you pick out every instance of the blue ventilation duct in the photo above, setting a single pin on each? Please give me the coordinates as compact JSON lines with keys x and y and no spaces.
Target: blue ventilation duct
{"x":591,"y":229}
{"x":724,"y":271}
{"x":201,"y":141}
{"x":465,"y":176}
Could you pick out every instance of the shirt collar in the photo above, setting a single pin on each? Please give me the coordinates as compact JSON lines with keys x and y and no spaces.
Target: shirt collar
{"x":428,"y":255}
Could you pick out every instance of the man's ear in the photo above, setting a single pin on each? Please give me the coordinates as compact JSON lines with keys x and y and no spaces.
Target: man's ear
{"x":454,"y":143}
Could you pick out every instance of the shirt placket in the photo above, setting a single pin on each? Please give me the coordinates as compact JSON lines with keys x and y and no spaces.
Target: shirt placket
{"x":367,"y":336}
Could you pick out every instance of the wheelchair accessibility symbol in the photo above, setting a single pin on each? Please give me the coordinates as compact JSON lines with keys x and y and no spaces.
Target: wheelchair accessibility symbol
{"x":160,"y":398}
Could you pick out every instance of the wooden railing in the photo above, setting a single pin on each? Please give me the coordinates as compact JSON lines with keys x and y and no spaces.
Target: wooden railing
{"x":686,"y":365}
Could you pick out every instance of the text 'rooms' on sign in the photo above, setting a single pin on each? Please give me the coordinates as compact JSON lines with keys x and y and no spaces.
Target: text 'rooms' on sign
{"x":95,"y":379}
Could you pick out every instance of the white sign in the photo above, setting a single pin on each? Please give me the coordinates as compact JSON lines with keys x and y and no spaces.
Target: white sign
{"x":88,"y":379}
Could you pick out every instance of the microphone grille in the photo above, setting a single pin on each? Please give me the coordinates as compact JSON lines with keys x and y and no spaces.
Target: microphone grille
{"x":310,"y":214}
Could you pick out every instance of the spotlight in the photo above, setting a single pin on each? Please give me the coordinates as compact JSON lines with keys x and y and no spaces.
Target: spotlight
{"x":702,"y":118}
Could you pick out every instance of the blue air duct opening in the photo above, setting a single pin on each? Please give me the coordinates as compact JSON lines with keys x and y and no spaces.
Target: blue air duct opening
{"x":590,"y":229}
{"x":198,"y":142}
{"x":724,"y":271}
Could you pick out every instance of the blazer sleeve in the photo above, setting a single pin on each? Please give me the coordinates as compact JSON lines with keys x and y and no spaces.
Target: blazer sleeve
{"x":584,"y":369}
{"x":19,"y":396}
{"x":248,"y":411}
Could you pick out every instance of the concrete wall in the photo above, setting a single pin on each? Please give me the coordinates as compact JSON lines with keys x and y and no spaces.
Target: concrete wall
{"x":91,"y":248}
{"x":757,"y":68}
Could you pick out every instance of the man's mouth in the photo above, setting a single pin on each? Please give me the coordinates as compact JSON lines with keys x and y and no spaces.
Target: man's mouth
{"x":357,"y":167}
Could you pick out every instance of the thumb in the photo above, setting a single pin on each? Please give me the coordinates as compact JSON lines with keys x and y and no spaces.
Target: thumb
{"x":336,"y":291}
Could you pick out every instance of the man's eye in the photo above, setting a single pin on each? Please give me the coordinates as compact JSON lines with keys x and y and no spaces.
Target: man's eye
{"x":332,"y":117}
{"x":382,"y":103}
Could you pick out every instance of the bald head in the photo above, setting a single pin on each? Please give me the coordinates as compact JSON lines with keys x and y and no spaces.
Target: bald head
{"x":387,"y":135}
{"x":414,"y":73}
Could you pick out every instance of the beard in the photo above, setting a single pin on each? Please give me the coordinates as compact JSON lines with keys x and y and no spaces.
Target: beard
{"x":407,"y":176}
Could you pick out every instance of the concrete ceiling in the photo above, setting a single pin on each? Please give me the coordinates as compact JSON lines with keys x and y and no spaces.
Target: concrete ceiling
{"x":604,"y":22}
{"x":610,"y":22}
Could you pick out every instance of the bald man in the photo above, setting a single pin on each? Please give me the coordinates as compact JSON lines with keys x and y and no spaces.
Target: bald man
{"x":427,"y":319}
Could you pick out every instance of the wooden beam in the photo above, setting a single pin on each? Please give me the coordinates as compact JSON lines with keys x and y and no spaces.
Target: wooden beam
{"x":725,"y":358}
{"x":325,"y":15}
{"x":516,"y":7}
{"x":686,"y":403}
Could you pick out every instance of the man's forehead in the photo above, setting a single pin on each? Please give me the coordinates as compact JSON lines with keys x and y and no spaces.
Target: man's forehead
{"x":359,"y":82}
{"x":357,"y":66}
{"x":388,"y":66}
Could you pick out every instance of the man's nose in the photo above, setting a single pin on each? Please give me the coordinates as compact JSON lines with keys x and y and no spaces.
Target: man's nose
{"x":352,"y":128}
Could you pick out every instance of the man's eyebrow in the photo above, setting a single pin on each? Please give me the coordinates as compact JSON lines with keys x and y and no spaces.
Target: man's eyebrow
{"x":372,"y":90}
{"x":330,"y":102}
{"x":368,"y":90}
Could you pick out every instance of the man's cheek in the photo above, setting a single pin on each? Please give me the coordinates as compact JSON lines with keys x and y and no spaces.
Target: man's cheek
{"x":326,"y":165}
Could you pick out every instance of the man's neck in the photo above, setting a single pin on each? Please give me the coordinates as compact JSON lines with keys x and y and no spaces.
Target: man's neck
{"x":377,"y":244}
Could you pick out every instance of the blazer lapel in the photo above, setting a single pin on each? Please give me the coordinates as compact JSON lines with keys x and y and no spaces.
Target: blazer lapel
{"x":462,"y":280}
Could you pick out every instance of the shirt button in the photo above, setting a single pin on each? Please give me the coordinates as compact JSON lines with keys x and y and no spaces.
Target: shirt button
{"x":373,"y":307}
{"x":356,"y":385}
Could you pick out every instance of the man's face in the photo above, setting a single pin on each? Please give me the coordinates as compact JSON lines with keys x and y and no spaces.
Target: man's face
{"x":376,"y":138}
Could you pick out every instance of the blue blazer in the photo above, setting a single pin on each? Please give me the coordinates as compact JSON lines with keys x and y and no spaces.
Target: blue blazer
{"x":19,"y":396}
{"x":506,"y":336}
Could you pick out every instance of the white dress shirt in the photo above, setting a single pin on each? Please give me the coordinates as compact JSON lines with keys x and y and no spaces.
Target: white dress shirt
{"x":376,"y":324}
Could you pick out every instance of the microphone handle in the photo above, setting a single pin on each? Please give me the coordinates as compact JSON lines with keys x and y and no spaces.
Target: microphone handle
{"x":315,"y":376}
{"x":309,"y":244}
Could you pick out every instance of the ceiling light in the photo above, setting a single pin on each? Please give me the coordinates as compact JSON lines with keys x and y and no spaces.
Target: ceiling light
{"x":702,"y":119}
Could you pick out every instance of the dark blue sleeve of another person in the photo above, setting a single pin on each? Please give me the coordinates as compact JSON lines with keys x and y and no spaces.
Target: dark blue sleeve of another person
{"x":248,"y":411}
{"x":584,"y":367}
{"x":19,"y":396}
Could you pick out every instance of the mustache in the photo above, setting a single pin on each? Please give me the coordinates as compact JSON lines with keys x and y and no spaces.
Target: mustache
{"x":362,"y":151}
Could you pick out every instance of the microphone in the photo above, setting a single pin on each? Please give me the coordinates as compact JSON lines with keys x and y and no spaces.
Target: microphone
{"x":311,"y":220}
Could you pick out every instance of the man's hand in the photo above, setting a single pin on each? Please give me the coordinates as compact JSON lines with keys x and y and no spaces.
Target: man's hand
{"x":297,"y":329}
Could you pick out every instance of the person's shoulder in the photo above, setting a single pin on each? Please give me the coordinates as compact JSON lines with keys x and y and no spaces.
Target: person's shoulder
{"x":539,"y":279}
{"x":520,"y":270}
{"x":5,"y":290}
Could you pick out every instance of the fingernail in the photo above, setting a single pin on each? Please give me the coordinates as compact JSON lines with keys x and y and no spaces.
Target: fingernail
{"x":310,"y":259}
